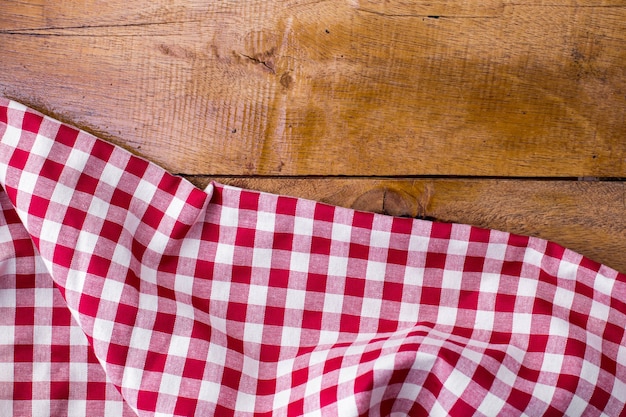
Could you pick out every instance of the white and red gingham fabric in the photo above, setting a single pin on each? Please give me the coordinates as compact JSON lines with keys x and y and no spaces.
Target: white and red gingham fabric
{"x":125,"y":290}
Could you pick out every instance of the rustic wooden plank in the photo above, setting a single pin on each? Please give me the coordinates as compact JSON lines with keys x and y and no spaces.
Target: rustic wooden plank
{"x":586,"y":216}
{"x":21,"y":14}
{"x":47,"y":14}
{"x":333,"y":88}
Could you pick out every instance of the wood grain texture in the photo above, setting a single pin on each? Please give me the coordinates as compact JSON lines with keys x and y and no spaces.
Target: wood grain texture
{"x":586,"y":216}
{"x":326,"y":99}
{"x":360,"y":87}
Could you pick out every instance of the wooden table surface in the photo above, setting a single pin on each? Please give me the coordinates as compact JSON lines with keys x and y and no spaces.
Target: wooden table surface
{"x":507,"y":114}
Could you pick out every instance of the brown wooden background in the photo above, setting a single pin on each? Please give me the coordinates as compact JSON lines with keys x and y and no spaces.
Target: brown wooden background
{"x":508,"y":114}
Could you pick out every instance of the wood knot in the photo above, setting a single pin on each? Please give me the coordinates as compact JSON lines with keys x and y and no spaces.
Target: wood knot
{"x":286,"y":80}
{"x":398,"y":203}
{"x":386,"y":201}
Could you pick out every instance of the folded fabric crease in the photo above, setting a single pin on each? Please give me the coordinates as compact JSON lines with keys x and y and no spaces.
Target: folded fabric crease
{"x":125,"y":290}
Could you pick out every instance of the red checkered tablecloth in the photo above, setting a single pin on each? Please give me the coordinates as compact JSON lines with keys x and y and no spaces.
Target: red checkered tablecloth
{"x":125,"y":290}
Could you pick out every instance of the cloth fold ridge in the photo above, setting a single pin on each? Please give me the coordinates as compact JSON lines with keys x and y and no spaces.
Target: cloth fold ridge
{"x":227,"y":301}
